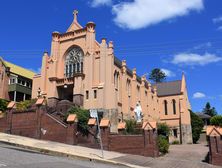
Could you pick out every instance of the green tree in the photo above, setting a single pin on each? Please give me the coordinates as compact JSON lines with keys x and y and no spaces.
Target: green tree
{"x":83,"y":118}
{"x":3,"y":105}
{"x":163,"y":131}
{"x":157,"y":75}
{"x":209,"y":111}
{"x":216,"y":120}
{"x":197,"y":126}
{"x":130,"y":126}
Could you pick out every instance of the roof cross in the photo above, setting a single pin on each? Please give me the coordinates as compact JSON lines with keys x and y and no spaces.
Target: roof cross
{"x":75,"y":13}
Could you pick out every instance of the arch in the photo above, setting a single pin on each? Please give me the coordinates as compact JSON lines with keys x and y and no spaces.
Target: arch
{"x":73,"y":61}
{"x":165,"y":107}
{"x":174,"y":106}
{"x":116,"y":79}
{"x":128,"y":87}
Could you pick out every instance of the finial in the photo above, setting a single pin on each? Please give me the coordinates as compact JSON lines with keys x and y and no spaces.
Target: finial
{"x":75,"y":13}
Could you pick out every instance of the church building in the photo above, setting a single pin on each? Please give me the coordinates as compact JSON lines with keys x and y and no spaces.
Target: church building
{"x":87,"y":72}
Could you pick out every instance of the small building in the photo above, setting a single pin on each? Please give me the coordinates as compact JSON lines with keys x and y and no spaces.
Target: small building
{"x":206,"y":119}
{"x":16,"y":82}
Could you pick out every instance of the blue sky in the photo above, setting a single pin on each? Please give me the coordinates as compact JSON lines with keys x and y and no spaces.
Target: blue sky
{"x":174,"y":35}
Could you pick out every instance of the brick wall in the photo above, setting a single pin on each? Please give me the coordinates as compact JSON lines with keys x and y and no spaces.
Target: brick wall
{"x":24,"y":124}
{"x":41,"y":125}
{"x":215,"y":146}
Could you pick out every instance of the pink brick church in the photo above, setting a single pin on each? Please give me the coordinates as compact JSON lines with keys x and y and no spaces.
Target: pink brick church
{"x":87,"y":72}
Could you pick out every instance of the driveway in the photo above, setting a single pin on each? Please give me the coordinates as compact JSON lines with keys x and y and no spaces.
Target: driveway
{"x":180,"y":156}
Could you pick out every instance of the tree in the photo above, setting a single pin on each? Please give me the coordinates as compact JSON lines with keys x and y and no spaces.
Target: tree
{"x":209,"y":111}
{"x":163,"y":131}
{"x":216,"y":120}
{"x":3,"y":105}
{"x":157,"y":75}
{"x":83,"y":117}
{"x":197,"y":126}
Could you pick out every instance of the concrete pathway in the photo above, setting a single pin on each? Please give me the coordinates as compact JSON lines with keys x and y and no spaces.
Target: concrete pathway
{"x":180,"y":156}
{"x":60,"y":149}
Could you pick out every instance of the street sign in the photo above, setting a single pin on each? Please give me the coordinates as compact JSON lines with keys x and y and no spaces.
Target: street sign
{"x":94,"y":114}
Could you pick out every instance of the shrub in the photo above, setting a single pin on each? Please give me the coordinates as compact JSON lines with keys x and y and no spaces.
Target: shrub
{"x":197,"y":126}
{"x":216,"y":120}
{"x":3,"y":105}
{"x":130,"y":126}
{"x":163,"y":129}
{"x":163,"y":144}
{"x":24,"y":105}
{"x":83,"y":118}
{"x":176,"y":142}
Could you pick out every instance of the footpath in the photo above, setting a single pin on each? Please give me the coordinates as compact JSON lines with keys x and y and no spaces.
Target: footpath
{"x":64,"y":150}
{"x":179,"y":156}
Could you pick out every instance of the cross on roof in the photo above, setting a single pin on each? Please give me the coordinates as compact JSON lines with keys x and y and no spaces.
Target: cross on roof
{"x":75,"y":13}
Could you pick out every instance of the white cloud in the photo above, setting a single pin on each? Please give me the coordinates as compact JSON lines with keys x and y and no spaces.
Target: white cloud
{"x":143,"y":13}
{"x":195,"y":59}
{"x":217,"y":20}
{"x":204,"y":45}
{"x":199,"y":95}
{"x":96,"y":3}
{"x":168,"y":72}
{"x":219,"y":28}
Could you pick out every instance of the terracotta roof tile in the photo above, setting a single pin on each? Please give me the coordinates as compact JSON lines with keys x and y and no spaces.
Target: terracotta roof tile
{"x":214,"y":131}
{"x":144,"y":124}
{"x":104,"y":123}
{"x":71,"y":118}
{"x":149,"y":125}
{"x":92,"y":121}
{"x":11,"y":105}
{"x":40,"y":101}
{"x":121,"y":125}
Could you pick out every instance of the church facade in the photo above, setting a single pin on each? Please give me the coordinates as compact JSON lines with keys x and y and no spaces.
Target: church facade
{"x":87,"y":73}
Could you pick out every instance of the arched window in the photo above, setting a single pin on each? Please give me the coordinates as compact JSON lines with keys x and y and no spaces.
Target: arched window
{"x":116,"y":80}
{"x":138,"y":92}
{"x":165,"y":107}
{"x":128,"y":87}
{"x":74,"y":62}
{"x":174,"y":106}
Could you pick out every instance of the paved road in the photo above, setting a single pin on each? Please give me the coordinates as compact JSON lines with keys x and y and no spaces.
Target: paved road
{"x":180,"y":156}
{"x":14,"y":157}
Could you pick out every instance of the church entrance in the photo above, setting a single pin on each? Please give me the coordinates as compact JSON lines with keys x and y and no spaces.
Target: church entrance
{"x":65,"y":92}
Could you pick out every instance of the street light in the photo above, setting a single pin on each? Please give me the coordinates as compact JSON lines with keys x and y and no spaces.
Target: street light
{"x":65,"y":86}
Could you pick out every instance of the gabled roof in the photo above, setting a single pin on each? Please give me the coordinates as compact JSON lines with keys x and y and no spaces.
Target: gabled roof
{"x":168,"y":88}
{"x":214,"y":131}
{"x":19,"y":70}
{"x":203,"y":116}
